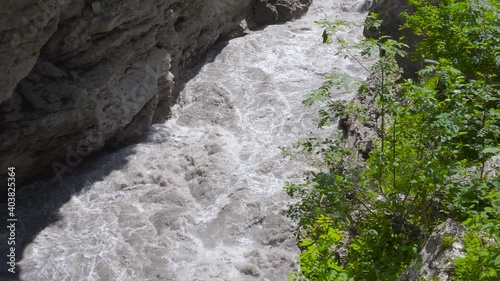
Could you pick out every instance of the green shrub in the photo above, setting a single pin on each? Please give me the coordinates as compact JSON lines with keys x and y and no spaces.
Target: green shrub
{"x":435,"y":136}
{"x":447,"y":242}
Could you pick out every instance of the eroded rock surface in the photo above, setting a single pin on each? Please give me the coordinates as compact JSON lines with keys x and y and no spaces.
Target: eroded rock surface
{"x":278,"y":11}
{"x":389,"y":12}
{"x":361,"y":134}
{"x":81,"y":75}
{"x":436,"y":258}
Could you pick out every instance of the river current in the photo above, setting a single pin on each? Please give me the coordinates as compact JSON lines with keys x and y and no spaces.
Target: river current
{"x":199,"y":198}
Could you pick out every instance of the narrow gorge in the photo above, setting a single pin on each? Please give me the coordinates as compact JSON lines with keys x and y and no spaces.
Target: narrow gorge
{"x":79,"y":76}
{"x":199,"y":195}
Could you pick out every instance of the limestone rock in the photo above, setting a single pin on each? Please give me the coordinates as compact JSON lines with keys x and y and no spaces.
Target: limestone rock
{"x":279,"y":11}
{"x":96,"y":7}
{"x":436,"y":258}
{"x":25,"y":26}
{"x":360,"y":135}
{"x":389,"y":11}
{"x":80,"y":75}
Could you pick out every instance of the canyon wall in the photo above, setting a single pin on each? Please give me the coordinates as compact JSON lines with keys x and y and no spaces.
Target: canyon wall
{"x":79,"y":75}
{"x":389,"y":13}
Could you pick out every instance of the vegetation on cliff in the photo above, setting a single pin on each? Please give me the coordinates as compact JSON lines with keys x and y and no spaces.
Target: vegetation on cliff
{"x":431,"y":161}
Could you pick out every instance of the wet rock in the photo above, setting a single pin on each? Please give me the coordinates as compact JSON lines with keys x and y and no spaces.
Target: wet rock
{"x":279,"y":11}
{"x":248,"y":269}
{"x":360,"y":6}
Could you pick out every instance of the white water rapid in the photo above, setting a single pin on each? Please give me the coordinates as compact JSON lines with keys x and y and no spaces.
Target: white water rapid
{"x":199,"y":199}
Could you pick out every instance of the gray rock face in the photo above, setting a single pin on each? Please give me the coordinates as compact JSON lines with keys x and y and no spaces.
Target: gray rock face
{"x":24,"y":27}
{"x":436,"y":262}
{"x":278,"y":11}
{"x":81,"y":75}
{"x":389,"y":12}
{"x":360,"y":135}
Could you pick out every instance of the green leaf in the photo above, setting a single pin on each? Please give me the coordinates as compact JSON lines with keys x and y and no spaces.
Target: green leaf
{"x":326,"y":37}
{"x":497,"y":261}
{"x":491,"y":150}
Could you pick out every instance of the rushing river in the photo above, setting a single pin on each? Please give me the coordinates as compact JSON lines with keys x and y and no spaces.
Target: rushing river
{"x":199,"y":199}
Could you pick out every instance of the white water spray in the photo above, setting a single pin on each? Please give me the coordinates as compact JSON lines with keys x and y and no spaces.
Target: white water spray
{"x":200,"y":199}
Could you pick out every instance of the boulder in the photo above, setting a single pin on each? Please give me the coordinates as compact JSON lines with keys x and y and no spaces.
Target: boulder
{"x":436,"y":258}
{"x":278,"y":11}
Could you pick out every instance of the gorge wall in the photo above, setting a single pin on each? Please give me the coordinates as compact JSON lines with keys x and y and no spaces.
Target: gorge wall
{"x":82,"y":75}
{"x":389,"y":13}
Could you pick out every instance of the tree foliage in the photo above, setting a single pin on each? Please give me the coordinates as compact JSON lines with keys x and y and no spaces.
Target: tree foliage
{"x":428,"y":163}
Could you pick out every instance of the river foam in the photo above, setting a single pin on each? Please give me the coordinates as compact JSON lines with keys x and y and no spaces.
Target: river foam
{"x":199,"y":199}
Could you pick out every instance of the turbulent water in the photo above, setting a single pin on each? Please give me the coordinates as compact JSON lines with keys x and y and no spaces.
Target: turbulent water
{"x":199,"y":199}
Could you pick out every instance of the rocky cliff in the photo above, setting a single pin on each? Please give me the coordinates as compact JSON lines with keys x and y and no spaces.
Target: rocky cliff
{"x":389,"y":13}
{"x":81,"y":75}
